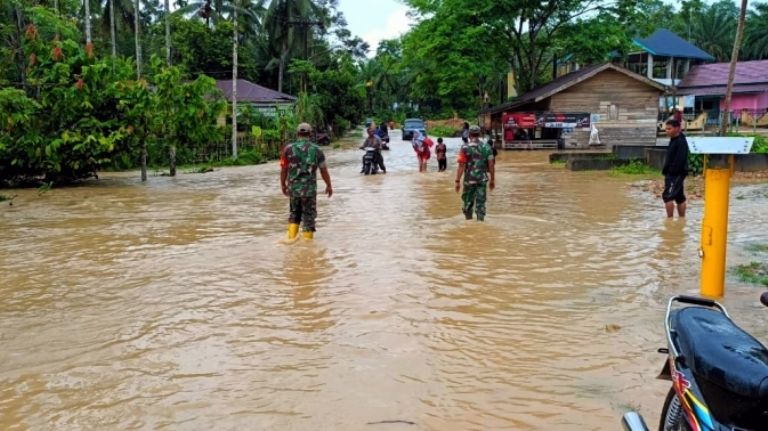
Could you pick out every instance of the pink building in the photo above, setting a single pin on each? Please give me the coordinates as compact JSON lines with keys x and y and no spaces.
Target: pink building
{"x":707,"y":83}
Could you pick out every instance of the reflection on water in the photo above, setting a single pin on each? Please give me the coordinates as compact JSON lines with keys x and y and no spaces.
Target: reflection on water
{"x":172,"y":305}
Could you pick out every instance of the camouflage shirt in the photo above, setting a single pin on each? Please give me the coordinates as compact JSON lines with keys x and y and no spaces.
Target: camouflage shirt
{"x":475,"y":157}
{"x":302,"y":159}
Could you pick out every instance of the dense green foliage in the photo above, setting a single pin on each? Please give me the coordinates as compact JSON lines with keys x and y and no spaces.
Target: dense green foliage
{"x":78,"y":113}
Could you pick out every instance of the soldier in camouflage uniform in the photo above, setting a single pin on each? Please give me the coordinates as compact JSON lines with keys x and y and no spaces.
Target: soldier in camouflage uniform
{"x":299,"y":162}
{"x":475,"y":163}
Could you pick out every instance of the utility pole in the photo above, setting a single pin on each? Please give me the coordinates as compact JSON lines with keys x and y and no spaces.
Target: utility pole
{"x":732,"y":69}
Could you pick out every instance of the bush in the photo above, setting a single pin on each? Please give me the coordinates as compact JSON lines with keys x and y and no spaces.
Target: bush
{"x":635,"y":167}
{"x":695,"y":164}
{"x":444,"y":131}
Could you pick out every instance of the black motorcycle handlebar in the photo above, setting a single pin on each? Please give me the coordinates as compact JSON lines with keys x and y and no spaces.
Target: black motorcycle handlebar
{"x":696,"y":300}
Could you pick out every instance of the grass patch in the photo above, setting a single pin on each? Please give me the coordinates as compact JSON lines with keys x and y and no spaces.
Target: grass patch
{"x":4,"y":198}
{"x":336,"y":145}
{"x":758,"y":248}
{"x":558,"y":162}
{"x":442,"y":131}
{"x":635,"y":167}
{"x":754,"y":273}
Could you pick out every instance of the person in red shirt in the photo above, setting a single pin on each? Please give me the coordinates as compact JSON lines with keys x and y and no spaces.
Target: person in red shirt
{"x":421,"y":145}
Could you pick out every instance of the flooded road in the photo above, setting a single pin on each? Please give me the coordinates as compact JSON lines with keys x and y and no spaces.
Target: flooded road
{"x":172,"y":304}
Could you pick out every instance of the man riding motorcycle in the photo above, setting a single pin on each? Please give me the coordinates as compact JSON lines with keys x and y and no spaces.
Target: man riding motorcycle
{"x":375,"y":142}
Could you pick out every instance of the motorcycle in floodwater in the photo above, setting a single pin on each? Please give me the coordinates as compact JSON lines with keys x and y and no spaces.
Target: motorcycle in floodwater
{"x":370,"y":167}
{"x":384,"y":136}
{"x":719,"y":372}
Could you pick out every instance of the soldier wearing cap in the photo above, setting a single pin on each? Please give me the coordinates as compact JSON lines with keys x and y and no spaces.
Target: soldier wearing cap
{"x":299,"y":162}
{"x":475,"y":163}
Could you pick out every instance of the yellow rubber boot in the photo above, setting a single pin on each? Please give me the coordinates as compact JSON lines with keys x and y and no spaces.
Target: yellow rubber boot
{"x":293,"y":230}
{"x":309,"y":234}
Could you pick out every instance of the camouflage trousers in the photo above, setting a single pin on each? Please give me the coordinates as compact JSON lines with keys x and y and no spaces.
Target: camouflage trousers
{"x":473,"y":197}
{"x":303,"y":209}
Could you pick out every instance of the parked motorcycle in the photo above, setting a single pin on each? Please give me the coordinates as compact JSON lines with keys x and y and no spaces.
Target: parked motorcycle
{"x":370,"y":167}
{"x":719,"y":372}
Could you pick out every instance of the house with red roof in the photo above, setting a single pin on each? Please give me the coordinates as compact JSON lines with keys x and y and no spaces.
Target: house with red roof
{"x":707,"y":83}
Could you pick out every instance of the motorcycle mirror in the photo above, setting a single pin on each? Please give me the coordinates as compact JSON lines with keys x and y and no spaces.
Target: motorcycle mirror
{"x":764,"y":298}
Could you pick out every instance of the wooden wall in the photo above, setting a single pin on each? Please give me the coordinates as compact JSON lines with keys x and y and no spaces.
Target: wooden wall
{"x":628,"y":108}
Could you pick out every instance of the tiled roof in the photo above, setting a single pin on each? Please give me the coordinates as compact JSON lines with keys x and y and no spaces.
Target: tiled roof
{"x":665,"y":43}
{"x":747,"y":72}
{"x":247,"y":91}
{"x":567,"y":81}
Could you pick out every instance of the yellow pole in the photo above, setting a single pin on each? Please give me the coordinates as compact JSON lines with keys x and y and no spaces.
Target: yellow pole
{"x":714,"y":231}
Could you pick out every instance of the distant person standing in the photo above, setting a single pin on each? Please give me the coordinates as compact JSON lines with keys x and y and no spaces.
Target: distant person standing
{"x":421,"y":145}
{"x":475,"y":164}
{"x":440,"y":150}
{"x":491,"y":144}
{"x":675,"y":169}
{"x":299,"y":162}
{"x":465,"y":133}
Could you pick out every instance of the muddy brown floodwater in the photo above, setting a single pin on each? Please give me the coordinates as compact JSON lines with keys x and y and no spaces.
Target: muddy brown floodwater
{"x":172,"y":305}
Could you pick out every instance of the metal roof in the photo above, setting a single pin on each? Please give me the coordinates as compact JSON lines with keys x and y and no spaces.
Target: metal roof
{"x":247,"y":91}
{"x":719,"y":90}
{"x":667,"y":44}
{"x":747,"y":72}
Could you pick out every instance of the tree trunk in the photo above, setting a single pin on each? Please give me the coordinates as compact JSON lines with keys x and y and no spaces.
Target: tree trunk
{"x":112,"y":30}
{"x":137,"y":29}
{"x":726,"y":121}
{"x":167,"y":33}
{"x":144,"y":159}
{"x":88,"y":40}
{"x":22,"y":62}
{"x":234,"y":84}
{"x":172,"y":154}
{"x":281,"y":69}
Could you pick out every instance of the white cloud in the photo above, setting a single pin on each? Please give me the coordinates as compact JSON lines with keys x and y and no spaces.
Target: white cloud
{"x":396,"y":24}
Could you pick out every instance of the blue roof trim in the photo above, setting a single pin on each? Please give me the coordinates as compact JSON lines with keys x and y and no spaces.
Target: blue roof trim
{"x":645,"y":48}
{"x":666,"y":43}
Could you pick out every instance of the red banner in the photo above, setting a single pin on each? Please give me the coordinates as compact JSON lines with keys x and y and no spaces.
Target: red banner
{"x":521,"y":120}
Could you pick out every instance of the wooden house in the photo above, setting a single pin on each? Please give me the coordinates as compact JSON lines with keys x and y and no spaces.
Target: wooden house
{"x":622,"y":105}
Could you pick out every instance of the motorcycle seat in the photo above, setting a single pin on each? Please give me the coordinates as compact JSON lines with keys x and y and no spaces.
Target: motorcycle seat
{"x":721,"y":352}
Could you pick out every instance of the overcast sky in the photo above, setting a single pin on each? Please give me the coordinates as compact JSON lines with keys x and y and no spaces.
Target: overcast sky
{"x":375,"y":20}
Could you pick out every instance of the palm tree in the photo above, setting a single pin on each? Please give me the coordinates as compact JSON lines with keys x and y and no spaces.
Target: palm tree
{"x":205,"y":9}
{"x":112,"y":28}
{"x":732,"y":69}
{"x":88,"y":41}
{"x":117,"y":15}
{"x":137,"y":38}
{"x":234,"y":81}
{"x":167,"y":33}
{"x":756,"y":33}
{"x":713,"y":30}
{"x":281,"y":22}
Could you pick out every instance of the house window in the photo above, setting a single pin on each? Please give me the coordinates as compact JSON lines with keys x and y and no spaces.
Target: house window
{"x":613,"y":112}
